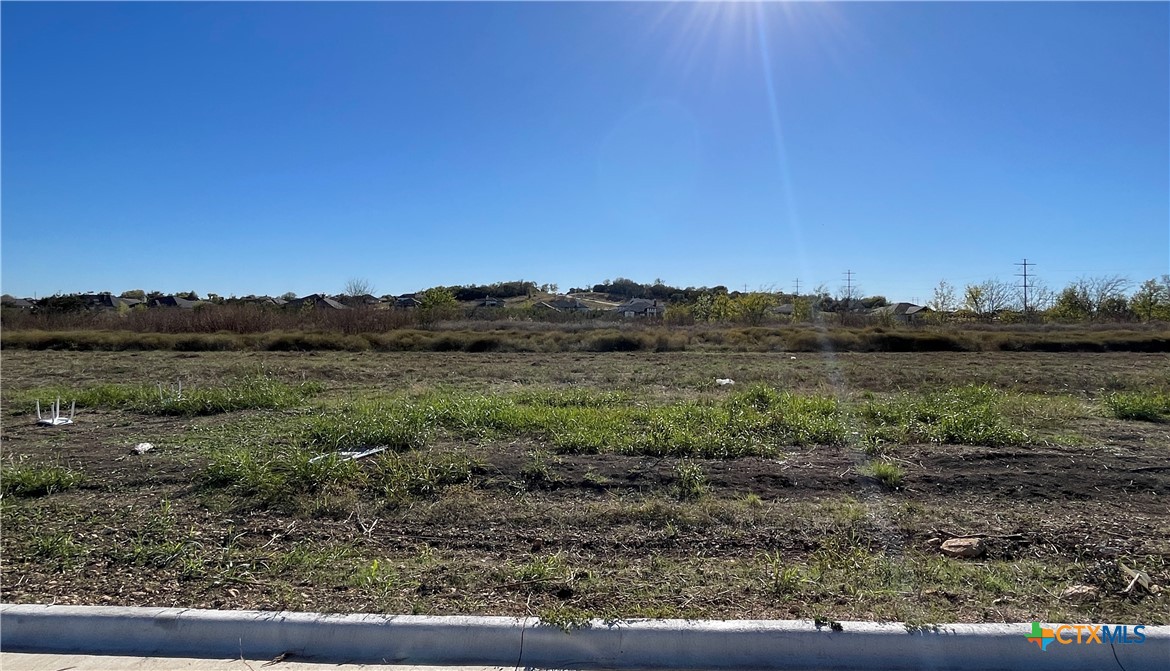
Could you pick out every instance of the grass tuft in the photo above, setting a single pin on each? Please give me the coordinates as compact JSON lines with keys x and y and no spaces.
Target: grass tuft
{"x":889,"y":474}
{"x":1146,"y":406}
{"x":691,"y":480}
{"x":37,"y":479}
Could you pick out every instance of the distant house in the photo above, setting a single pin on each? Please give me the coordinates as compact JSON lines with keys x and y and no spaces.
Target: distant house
{"x":107,"y":301}
{"x":262,"y":301}
{"x":563,"y":304}
{"x":362,"y":301}
{"x":785,"y":310}
{"x":13,"y":302}
{"x":641,"y":307}
{"x":901,"y":312}
{"x":406,"y":301}
{"x":172,"y":302}
{"x":316,"y":301}
{"x":490,"y":302}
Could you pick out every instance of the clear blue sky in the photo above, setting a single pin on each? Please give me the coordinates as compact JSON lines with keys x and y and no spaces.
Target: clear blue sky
{"x":271,"y":147}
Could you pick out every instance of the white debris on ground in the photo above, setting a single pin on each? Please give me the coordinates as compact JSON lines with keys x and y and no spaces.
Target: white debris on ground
{"x":143,"y":448}
{"x":349,"y":455}
{"x":724,"y":381}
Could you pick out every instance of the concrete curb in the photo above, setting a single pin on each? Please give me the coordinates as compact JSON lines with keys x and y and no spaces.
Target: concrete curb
{"x":523,"y":642}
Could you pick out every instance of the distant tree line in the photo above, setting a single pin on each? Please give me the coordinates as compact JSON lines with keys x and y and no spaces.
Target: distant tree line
{"x":1086,"y":299}
{"x":1101,"y":298}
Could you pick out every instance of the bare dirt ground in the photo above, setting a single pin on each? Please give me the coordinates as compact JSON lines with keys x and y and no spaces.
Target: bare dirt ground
{"x":801,"y":534}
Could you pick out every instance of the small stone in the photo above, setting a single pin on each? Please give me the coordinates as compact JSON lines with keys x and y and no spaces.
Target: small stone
{"x":1080,"y":593}
{"x":963,"y":547}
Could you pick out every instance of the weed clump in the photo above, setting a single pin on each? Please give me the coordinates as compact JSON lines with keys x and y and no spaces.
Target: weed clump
{"x":887,"y":473}
{"x":405,"y":477}
{"x":691,"y":480}
{"x":537,"y":472}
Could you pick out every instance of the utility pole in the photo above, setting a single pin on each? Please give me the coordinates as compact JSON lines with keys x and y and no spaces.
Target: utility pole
{"x":797,"y":287}
{"x":1024,"y":282}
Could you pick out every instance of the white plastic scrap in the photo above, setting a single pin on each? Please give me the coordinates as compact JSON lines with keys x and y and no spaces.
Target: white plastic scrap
{"x":723,"y":381}
{"x":55,"y":418}
{"x":143,"y":448}
{"x":350,"y":455}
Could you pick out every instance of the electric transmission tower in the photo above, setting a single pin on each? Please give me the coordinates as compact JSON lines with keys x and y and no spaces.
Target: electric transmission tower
{"x":848,"y":290}
{"x":1024,"y":285}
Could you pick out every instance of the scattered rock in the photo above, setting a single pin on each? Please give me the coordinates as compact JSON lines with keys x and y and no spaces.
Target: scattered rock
{"x":143,"y":448}
{"x":963,"y":547}
{"x":722,"y":381}
{"x":1080,"y":593}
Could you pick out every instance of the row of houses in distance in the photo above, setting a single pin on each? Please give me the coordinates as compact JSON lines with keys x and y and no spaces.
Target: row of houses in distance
{"x":107,"y":301}
{"x":565,"y":304}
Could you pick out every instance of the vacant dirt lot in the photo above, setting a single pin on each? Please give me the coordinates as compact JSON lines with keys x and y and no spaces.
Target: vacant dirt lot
{"x":222,"y":514}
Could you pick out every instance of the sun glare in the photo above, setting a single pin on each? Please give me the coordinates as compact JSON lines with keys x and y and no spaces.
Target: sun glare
{"x":721,"y":36}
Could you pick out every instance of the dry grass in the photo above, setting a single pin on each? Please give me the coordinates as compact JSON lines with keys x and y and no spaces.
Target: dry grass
{"x":370,"y":332}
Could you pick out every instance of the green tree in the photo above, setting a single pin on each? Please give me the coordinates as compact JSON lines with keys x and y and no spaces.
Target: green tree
{"x":704,"y":308}
{"x":724,"y":308}
{"x":753,"y":308}
{"x":1072,"y":304}
{"x":437,"y":298}
{"x":436,"y":303}
{"x":974,"y":300}
{"x":943,"y":299}
{"x":801,"y":309}
{"x":1152,"y":299}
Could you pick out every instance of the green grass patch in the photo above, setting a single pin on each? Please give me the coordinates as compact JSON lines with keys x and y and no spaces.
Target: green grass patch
{"x":889,"y":474}
{"x":414,"y":476}
{"x":283,"y":476}
{"x":403,"y":424}
{"x":251,"y":393}
{"x":1146,"y":406}
{"x":690,"y":480}
{"x":757,"y":422}
{"x":971,"y":415}
{"x":278,"y":476}
{"x":22,"y":479}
